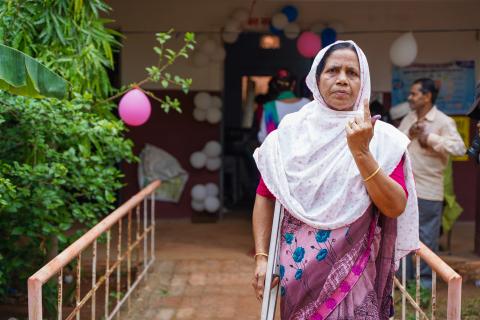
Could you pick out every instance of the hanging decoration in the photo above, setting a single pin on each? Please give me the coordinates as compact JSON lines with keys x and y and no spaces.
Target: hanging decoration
{"x":337,"y":26}
{"x":198,"y":160}
{"x":205,"y":198}
{"x":279,"y":21}
{"x":291,"y":12}
{"x":134,"y":108}
{"x":308,"y":44}
{"x":207,"y":108}
{"x":275,"y":31}
{"x":283,"y":22}
{"x":199,"y":192}
{"x":403,"y":50}
{"x":329,"y":36}
{"x":235,"y":25}
{"x":292,"y":30}
{"x":210,"y":51}
{"x":209,"y":157}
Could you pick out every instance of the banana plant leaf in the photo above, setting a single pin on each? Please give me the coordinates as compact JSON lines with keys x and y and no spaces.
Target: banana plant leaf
{"x":23,"y":75}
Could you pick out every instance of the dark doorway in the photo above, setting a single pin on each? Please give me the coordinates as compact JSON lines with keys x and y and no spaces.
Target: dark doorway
{"x":246,"y":63}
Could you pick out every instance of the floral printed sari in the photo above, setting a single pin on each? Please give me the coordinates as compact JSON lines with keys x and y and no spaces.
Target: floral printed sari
{"x":346,"y":273}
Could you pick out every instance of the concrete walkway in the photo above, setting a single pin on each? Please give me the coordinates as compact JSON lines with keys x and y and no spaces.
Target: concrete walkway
{"x":202,"y":271}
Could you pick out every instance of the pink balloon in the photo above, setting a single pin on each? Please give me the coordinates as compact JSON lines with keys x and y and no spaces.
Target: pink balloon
{"x":134,"y":108}
{"x":308,"y":44}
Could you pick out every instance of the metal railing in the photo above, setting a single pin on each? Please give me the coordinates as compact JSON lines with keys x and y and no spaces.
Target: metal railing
{"x":144,"y":236}
{"x":446,"y":273}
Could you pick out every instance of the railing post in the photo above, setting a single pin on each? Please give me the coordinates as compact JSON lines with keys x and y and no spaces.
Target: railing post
{"x":34,"y":299}
{"x":417,"y":283}
{"x":145,"y":238}
{"x":454,"y":302}
{"x":434,"y":294}
{"x":56,"y":265}
{"x":152,"y":223}
{"x":404,"y":284}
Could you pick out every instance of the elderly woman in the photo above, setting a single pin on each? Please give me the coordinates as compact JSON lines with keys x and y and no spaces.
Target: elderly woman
{"x":346,"y":185}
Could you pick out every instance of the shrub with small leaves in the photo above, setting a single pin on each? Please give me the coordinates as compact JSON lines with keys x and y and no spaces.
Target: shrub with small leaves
{"x":59,"y":159}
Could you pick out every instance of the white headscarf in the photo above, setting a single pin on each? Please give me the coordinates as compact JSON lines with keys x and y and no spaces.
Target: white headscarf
{"x":308,"y":167}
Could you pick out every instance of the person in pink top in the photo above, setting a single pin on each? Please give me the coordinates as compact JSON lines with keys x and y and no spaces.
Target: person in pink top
{"x":345,"y":182}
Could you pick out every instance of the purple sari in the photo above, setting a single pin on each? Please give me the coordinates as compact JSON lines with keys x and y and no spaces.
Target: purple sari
{"x":346,"y":273}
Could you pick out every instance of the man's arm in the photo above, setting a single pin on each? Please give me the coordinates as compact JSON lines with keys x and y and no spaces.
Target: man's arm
{"x":448,"y":141}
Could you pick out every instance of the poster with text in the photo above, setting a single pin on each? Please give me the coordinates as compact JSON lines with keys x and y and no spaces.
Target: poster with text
{"x":456,"y":81}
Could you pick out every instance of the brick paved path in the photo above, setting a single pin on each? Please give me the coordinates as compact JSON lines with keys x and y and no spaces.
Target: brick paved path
{"x":202,"y":272}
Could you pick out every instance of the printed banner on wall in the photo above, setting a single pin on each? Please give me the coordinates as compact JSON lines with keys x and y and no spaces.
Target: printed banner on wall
{"x":456,"y":81}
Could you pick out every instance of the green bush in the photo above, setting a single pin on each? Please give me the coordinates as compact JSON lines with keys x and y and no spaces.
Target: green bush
{"x":58,"y":158}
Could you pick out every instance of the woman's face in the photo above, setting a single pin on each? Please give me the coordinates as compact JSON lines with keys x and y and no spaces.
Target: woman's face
{"x":339,"y":82}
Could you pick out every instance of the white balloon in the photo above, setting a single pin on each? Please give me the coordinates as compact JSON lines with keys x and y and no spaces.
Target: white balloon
{"x":199,"y":192}
{"x":279,"y":21}
{"x":212,"y":189}
{"x":403,"y":50}
{"x":214,"y":115}
{"x":219,"y":54}
{"x":212,"y":204}
{"x":232,"y":26}
{"x":202,"y":100}
{"x":200,"y":59}
{"x":198,"y":159}
{"x":198,"y":205}
{"x":216,"y":102}
{"x":213,"y":164}
{"x":399,"y":111}
{"x":337,"y":26}
{"x":208,"y":47}
{"x":229,"y":36}
{"x":241,"y":15}
{"x":200,"y":114}
{"x":292,"y":30}
{"x":317,"y":27}
{"x":212,"y":149}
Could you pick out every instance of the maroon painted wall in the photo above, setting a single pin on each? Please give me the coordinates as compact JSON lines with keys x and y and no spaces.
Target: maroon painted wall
{"x":180,"y":135}
{"x":467,"y":186}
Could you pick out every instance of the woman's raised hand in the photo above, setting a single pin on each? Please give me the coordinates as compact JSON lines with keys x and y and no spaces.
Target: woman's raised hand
{"x":360,"y":131}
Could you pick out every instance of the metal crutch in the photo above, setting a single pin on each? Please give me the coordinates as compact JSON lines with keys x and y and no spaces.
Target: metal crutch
{"x":270,"y":295}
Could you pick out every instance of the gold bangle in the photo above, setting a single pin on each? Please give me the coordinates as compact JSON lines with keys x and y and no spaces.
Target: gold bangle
{"x":260,"y":254}
{"x":372,"y":175}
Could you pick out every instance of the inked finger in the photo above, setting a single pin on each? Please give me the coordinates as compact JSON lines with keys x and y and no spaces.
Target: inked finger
{"x":375,"y":118}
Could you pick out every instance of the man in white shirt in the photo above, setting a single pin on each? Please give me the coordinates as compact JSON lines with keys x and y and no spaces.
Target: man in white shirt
{"x":434,"y":137}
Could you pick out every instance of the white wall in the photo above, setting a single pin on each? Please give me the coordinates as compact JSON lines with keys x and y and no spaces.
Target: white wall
{"x":140,"y":20}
